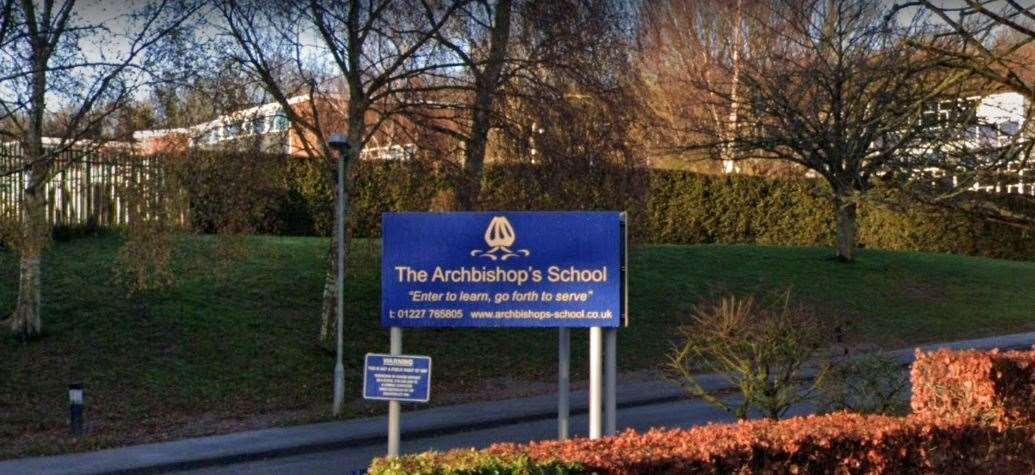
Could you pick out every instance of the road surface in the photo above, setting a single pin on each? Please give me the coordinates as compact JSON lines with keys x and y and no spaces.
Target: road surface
{"x":356,"y":460}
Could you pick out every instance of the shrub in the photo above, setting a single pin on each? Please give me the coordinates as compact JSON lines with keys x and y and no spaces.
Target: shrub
{"x":760,"y":348}
{"x":9,"y":227}
{"x":469,"y":462}
{"x":227,"y":192}
{"x":867,"y":384}
{"x":378,"y":187}
{"x":145,"y":258}
{"x":834,"y":443}
{"x":985,"y":387}
{"x":68,"y":232}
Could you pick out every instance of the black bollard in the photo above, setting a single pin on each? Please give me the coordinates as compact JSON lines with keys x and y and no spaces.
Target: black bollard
{"x":75,"y":404}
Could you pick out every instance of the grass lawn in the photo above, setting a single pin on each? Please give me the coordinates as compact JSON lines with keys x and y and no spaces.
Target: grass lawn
{"x":234,"y":346}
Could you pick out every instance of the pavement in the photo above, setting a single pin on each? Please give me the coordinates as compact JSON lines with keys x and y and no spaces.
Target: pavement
{"x":348,"y":446}
{"x":675,"y":414}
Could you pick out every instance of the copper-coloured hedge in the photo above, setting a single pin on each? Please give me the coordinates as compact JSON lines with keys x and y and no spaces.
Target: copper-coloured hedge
{"x":991,"y":388}
{"x":973,"y":414}
{"x":834,"y":443}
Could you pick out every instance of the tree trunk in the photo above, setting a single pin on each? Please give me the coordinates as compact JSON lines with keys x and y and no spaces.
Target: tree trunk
{"x":486,"y":86}
{"x":327,"y":312}
{"x":26,"y":322}
{"x":847,"y":230}
{"x":731,"y":130}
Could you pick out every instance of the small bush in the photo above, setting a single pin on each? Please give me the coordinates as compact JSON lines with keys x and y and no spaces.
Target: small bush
{"x":145,"y":258}
{"x":760,"y":347}
{"x":470,"y":462}
{"x":444,"y":201}
{"x":68,"y":232}
{"x":991,"y":388}
{"x":867,"y":384}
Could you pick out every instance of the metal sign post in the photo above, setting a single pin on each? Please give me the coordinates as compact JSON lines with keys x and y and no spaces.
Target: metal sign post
{"x":394,"y":407}
{"x":596,"y":360}
{"x":563,"y":383}
{"x":610,"y":383}
{"x":611,"y":339}
{"x":396,"y":378}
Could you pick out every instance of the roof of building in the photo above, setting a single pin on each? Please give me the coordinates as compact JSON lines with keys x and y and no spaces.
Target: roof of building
{"x":58,"y":141}
{"x":263,"y":110}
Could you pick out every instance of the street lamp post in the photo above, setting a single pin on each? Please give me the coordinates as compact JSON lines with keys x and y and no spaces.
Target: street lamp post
{"x":340,"y":144}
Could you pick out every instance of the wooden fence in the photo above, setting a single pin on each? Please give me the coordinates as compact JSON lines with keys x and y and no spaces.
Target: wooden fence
{"x":103,"y":187}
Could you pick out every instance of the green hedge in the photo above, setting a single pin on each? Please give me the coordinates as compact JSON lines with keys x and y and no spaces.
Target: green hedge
{"x":937,"y":230}
{"x":688,"y":208}
{"x":665,"y":206}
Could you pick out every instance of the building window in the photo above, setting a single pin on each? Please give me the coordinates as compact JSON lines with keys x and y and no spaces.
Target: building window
{"x":280,"y":123}
{"x":390,"y":152}
{"x":1010,"y":127}
{"x":259,"y":125}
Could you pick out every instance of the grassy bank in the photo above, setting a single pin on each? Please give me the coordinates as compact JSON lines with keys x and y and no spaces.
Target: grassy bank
{"x":233,"y":346}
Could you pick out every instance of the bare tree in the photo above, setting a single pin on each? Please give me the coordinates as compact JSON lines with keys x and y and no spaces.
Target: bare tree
{"x":378,"y":48}
{"x":989,"y":45}
{"x":993,"y":39}
{"x":54,"y":53}
{"x":762,"y":346}
{"x":838,"y":92}
{"x":690,"y":42}
{"x":479,"y":39}
{"x":526,"y":64}
{"x":6,"y":21}
{"x":214,"y":89}
{"x":8,"y":211}
{"x":567,"y":99}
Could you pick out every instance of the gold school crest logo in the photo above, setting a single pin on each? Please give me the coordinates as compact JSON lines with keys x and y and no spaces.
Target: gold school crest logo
{"x":500,"y":237}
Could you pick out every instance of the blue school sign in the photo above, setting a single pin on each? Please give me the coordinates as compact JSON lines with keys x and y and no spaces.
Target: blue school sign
{"x":397,"y":378}
{"x":503,"y":269}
